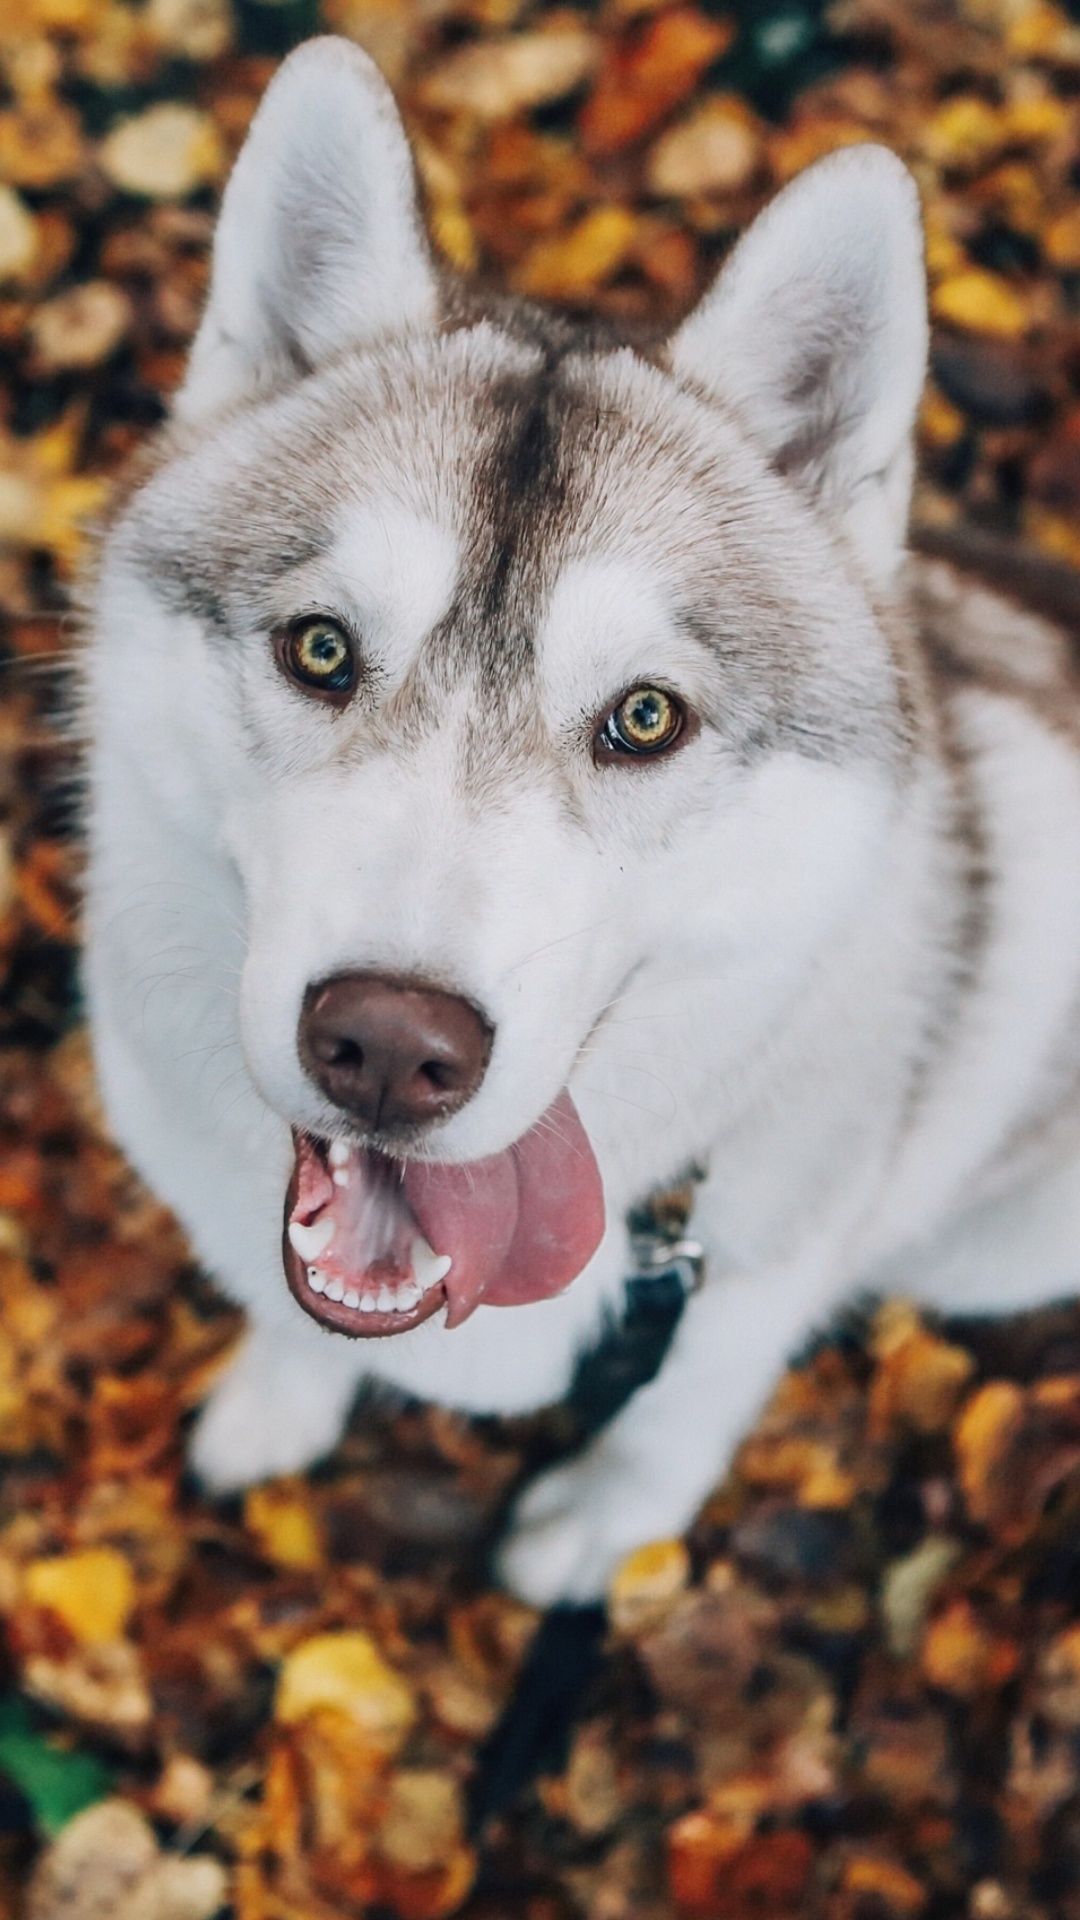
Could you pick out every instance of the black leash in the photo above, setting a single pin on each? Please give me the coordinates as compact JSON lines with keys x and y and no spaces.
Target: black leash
{"x":533,"y":1735}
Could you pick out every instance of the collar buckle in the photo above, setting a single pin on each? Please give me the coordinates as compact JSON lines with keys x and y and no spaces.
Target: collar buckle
{"x":657,"y":1253}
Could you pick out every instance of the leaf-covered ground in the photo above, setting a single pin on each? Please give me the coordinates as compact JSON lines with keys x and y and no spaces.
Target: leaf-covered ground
{"x":855,"y":1693}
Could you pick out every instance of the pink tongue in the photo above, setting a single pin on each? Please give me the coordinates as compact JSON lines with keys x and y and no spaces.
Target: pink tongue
{"x":519,"y":1226}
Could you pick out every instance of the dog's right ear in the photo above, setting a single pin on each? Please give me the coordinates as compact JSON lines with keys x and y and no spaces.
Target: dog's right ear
{"x":320,"y":243}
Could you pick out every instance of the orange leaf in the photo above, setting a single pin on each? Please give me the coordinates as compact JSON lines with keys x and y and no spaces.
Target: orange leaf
{"x":643,"y":80}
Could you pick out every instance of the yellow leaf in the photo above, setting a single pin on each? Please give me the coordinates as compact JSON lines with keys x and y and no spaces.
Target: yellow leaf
{"x":981,"y":302}
{"x":1056,"y":533}
{"x":92,"y":1592}
{"x":885,"y":1883}
{"x":988,"y":1422}
{"x":18,"y":235}
{"x":68,"y":505}
{"x":281,"y":1519}
{"x":453,"y":235}
{"x":1062,"y":239}
{"x":1041,"y":31}
{"x":962,"y":1657}
{"x":646,"y":1583}
{"x":1037,"y":117}
{"x":575,"y":263}
{"x":964,"y":132}
{"x":346,"y":1672}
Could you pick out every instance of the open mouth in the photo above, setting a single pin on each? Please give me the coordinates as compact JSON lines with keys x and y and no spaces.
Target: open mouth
{"x":374,"y":1245}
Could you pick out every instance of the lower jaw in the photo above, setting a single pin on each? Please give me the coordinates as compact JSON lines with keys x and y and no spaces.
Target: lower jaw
{"x":357,"y":1325}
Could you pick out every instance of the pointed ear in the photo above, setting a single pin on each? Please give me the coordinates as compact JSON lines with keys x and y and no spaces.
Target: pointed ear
{"x":816,"y":333}
{"x":319,"y":243}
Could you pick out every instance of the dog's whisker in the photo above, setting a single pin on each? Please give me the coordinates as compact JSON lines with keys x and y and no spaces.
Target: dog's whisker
{"x":576,"y":933}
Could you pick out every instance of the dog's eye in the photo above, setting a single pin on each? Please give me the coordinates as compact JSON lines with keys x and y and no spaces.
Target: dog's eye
{"x":646,"y":720}
{"x":319,"y":654}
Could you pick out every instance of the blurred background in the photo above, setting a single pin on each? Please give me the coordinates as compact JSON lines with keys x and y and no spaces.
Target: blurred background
{"x":854,"y":1693}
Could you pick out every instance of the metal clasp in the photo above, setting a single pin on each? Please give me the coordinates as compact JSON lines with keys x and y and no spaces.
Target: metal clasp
{"x":655,"y":1255}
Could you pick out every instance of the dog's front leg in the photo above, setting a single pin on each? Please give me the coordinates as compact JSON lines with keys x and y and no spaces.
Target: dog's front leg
{"x":647,"y":1473}
{"x":281,"y":1406}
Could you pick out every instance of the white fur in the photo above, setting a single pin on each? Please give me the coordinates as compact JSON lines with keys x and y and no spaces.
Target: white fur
{"x":731,"y":957}
{"x":318,"y":244}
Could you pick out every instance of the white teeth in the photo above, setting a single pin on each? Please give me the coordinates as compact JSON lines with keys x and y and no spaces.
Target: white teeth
{"x":338,"y":1154}
{"x":352,"y":1298}
{"x":316,"y":1280}
{"x":309,"y":1242}
{"x":386,"y":1301}
{"x":340,"y":1177}
{"x":367,"y":1303}
{"x":335,"y":1290}
{"x":428,"y":1266}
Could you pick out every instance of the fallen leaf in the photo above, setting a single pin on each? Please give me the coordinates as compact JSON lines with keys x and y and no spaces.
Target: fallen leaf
{"x":908,"y":1587}
{"x":281,"y":1517}
{"x":107,"y":1866}
{"x":92,"y":1592}
{"x":919,"y":1378}
{"x":499,"y":79}
{"x":164,"y":153}
{"x":979,"y":300}
{"x":40,"y":146}
{"x":572,"y":265}
{"x":644,"y":1585}
{"x":961,"y":1656}
{"x":197,"y":29}
{"x":19,"y":240}
{"x":715,"y":150}
{"x":644,"y":77}
{"x":57,"y":1782}
{"x":347,"y":1673}
{"x":424,"y":1821}
{"x":81,"y":327}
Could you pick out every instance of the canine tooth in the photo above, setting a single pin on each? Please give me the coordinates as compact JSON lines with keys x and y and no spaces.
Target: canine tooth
{"x":385,"y":1302}
{"x":429,"y":1267}
{"x":335,"y":1290}
{"x":352,"y":1298}
{"x":338,"y":1154}
{"x":340,"y":1177}
{"x":316,"y":1280}
{"x":367,"y":1303}
{"x":309,"y":1242}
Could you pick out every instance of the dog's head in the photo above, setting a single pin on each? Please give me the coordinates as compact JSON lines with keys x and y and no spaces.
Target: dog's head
{"x":515,"y":673}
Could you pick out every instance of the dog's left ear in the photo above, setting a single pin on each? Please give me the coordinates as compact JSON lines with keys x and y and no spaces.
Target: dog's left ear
{"x":320,"y":243}
{"x":816,"y":333}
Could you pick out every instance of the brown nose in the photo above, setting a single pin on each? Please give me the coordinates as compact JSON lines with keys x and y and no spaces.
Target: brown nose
{"x":393,"y":1052}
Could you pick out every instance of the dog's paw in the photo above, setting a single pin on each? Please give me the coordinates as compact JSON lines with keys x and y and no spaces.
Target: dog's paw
{"x":570,"y":1530}
{"x":275,"y":1412}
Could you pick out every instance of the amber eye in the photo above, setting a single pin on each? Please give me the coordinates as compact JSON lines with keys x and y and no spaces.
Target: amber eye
{"x":319,"y":654}
{"x":645,"y":721}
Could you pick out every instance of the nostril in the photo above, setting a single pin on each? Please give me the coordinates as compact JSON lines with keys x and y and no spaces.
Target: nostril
{"x":440,"y":1074}
{"x":336,"y":1050}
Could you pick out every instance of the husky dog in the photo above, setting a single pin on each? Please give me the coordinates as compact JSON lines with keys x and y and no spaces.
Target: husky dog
{"x":525,"y":767}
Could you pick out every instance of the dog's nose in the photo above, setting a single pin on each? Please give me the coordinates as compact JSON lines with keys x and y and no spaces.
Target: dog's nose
{"x":392,"y":1051}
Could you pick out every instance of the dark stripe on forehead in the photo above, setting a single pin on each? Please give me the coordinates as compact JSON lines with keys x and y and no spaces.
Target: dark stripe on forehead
{"x":520,"y":490}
